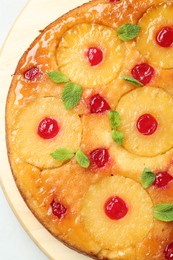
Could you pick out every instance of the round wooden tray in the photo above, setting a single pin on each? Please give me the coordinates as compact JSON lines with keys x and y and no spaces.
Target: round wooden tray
{"x":36,"y":15}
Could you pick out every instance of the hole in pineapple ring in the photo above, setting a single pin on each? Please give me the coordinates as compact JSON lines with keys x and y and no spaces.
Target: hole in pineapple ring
{"x":164,"y":37}
{"x":98,"y":104}
{"x":94,"y":55}
{"x":146,"y":124}
{"x":48,"y":128}
{"x":99,"y":158}
{"x":32,"y":73}
{"x":58,"y":209}
{"x":162,"y":179}
{"x":168,"y":251}
{"x":115,"y":208}
{"x":143,"y":72}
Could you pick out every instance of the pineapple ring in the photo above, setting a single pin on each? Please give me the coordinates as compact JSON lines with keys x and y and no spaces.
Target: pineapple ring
{"x":154,"y":19}
{"x":147,"y":100}
{"x":72,"y":50}
{"x":25,"y":134}
{"x":130,"y":229}
{"x":131,"y":166}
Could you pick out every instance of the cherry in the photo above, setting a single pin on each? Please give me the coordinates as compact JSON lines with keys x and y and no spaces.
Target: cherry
{"x":168,"y":252}
{"x":32,"y":73}
{"x":98,"y":104}
{"x":115,"y":208}
{"x":164,"y":37}
{"x":95,"y":55}
{"x":113,"y":1}
{"x":99,"y":157}
{"x":143,"y":72}
{"x":146,"y":124}
{"x":162,"y":179}
{"x":48,"y":128}
{"x":58,"y":209}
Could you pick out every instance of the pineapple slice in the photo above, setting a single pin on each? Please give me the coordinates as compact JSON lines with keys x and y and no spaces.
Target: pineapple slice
{"x":132,"y":228}
{"x":151,"y":23}
{"x":36,"y":149}
{"x":132,"y":166}
{"x":72,"y":54}
{"x":141,"y":101}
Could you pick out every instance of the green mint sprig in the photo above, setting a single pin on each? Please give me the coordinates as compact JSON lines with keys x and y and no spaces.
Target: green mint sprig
{"x":118,"y":137}
{"x":65,"y":154}
{"x":128,"y":31}
{"x":147,"y":178}
{"x":133,"y":81}
{"x":71,"y":95}
{"x":163,"y":212}
{"x":57,"y":77}
{"x":82,"y":159}
{"x":115,"y":121}
{"x":62,"y":154}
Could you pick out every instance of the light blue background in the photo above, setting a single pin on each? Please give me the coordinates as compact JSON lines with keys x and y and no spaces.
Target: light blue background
{"x":15,"y":244}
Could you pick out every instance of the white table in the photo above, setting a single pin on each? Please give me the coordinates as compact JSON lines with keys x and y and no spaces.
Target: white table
{"x":15,"y":244}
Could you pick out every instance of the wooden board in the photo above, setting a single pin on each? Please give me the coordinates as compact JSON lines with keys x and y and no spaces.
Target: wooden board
{"x":36,"y":15}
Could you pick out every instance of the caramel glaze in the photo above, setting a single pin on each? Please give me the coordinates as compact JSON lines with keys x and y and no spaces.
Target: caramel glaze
{"x":40,"y":186}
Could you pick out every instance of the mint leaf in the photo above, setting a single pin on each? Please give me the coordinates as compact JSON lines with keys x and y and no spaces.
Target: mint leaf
{"x":114,"y":119}
{"x":147,"y":178}
{"x":71,"y":95}
{"x":82,"y":159}
{"x":132,"y":81}
{"x":164,"y":212}
{"x":62,"y":154}
{"x":118,"y":137}
{"x":57,"y":77}
{"x":128,"y":31}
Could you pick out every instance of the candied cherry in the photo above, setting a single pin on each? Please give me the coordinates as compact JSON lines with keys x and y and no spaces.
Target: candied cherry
{"x":98,"y":104}
{"x":164,"y":37}
{"x":146,"y":124}
{"x":143,"y":72}
{"x":168,"y":252}
{"x":99,"y":157}
{"x":32,"y":73}
{"x":58,"y":209}
{"x":48,"y":128}
{"x":94,"y":55}
{"x":115,"y":208}
{"x":162,"y":179}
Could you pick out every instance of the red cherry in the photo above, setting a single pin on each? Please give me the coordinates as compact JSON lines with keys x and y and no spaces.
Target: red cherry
{"x":143,"y":72}
{"x":113,"y":1}
{"x":115,"y":208}
{"x":164,"y":37}
{"x":168,"y":252}
{"x":99,"y":157}
{"x":48,"y":128}
{"x":146,"y":124}
{"x":162,"y":179}
{"x":98,"y":104}
{"x":32,"y":73}
{"x":58,"y":209}
{"x":95,"y":55}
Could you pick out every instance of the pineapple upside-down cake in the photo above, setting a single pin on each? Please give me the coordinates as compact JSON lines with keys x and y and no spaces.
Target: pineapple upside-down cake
{"x":89,"y":122}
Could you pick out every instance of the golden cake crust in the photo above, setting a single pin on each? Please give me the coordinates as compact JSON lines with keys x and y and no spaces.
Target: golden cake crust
{"x":42,"y":182}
